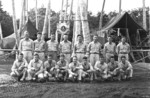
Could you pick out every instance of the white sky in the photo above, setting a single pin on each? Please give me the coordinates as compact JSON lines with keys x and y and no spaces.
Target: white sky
{"x":94,"y":5}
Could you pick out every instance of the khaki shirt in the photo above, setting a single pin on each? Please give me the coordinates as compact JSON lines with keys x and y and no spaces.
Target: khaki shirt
{"x":52,"y":46}
{"x":48,"y":65}
{"x":109,"y":48}
{"x":80,"y":48}
{"x":103,"y":67}
{"x":26,"y":45}
{"x":87,"y":66}
{"x":94,"y":47}
{"x":18,"y":64}
{"x":75,"y":66}
{"x":62,"y":64}
{"x":112,"y":66}
{"x":124,"y":48}
{"x":40,"y":45}
{"x":65,"y":47}
{"x":125,"y":66}
{"x":35,"y":65}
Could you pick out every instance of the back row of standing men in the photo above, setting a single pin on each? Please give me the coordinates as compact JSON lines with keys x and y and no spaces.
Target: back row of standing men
{"x":93,"y":50}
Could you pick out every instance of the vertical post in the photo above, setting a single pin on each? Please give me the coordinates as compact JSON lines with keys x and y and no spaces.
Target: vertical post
{"x":49,"y":21}
{"x":26,"y":10}
{"x":70,"y":15}
{"x":149,"y":21}
{"x":120,"y":2}
{"x":36,"y":14}
{"x":144,"y":16}
{"x":14,"y":22}
{"x":66,"y":10}
{"x":101,"y":16}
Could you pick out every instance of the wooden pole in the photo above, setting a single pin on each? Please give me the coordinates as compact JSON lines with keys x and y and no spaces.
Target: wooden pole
{"x":144,"y":16}
{"x":49,"y":21}
{"x":26,"y":10}
{"x":66,"y":9}
{"x":120,"y":2}
{"x":14,"y":22}
{"x":36,"y":14}
{"x":101,"y":16}
{"x":45,"y":27}
{"x":70,"y":15}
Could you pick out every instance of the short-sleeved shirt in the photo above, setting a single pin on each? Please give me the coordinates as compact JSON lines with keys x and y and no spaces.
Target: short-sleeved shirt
{"x":26,"y":45}
{"x":109,"y":48}
{"x":36,"y":65}
{"x":123,"y":47}
{"x":94,"y":47}
{"x":73,"y":65}
{"x":100,"y":66}
{"x":112,"y":66}
{"x":39,"y":45}
{"x":87,"y":66}
{"x":52,"y":45}
{"x":48,"y":65}
{"x":62,"y":64}
{"x":125,"y":66}
{"x":65,"y":47}
{"x":18,"y":64}
{"x":80,"y":47}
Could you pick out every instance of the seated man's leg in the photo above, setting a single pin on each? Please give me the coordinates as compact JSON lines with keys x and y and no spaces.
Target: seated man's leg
{"x":129,"y":73}
{"x":30,"y":74}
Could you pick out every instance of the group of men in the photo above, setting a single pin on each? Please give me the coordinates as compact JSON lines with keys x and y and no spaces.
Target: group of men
{"x":38,"y":60}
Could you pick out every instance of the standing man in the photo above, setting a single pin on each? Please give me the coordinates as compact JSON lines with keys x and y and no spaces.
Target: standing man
{"x":80,"y":48}
{"x":126,"y":69}
{"x":109,"y":49}
{"x":40,"y":47}
{"x":94,"y":50}
{"x":35,"y":68}
{"x":123,"y":49}
{"x":65,"y":47}
{"x":19,"y":68}
{"x":52,"y":46}
{"x":26,"y":46}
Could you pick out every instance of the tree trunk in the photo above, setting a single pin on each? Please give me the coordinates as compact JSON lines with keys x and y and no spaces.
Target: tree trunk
{"x":45,"y":27}
{"x":144,"y":16}
{"x":77,"y":24}
{"x":14,"y":22}
{"x":49,"y":21}
{"x":101,"y":16}
{"x":120,"y":6}
{"x":84,"y":21}
{"x":36,"y":14}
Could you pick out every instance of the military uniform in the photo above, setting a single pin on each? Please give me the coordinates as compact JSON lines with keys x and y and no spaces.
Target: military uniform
{"x":80,"y":50}
{"x":40,"y":48}
{"x":126,"y":69}
{"x":75,"y":69}
{"x":94,"y":50}
{"x":27,"y":47}
{"x":52,"y":48}
{"x":65,"y":48}
{"x":109,"y":50}
{"x":101,"y":69}
{"x":18,"y":68}
{"x":35,"y":69}
{"x":123,"y":50}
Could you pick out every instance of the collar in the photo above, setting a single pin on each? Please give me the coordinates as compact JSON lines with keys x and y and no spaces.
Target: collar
{"x":35,"y":62}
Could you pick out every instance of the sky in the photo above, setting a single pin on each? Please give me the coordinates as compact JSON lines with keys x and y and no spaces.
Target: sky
{"x":94,"y":6}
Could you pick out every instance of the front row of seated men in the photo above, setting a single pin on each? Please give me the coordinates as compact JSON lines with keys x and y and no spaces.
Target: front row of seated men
{"x":61,"y":70}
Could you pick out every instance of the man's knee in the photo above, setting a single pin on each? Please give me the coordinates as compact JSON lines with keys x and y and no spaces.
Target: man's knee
{"x":13,"y":74}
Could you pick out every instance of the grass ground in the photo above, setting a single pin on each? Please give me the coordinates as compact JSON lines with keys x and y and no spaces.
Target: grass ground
{"x":138,"y":87}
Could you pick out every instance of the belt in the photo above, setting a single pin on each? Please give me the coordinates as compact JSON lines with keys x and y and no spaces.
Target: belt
{"x":94,"y":53}
{"x":80,"y":52}
{"x":123,"y":53}
{"x":110,"y":52}
{"x":26,"y":50}
{"x":66,"y":52}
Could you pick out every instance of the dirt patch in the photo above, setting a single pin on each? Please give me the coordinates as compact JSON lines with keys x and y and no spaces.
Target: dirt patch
{"x":138,"y":87}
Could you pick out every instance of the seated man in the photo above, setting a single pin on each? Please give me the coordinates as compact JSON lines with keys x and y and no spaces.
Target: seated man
{"x":125,"y":68}
{"x":62,"y":68}
{"x":113,"y":69}
{"x":19,"y":68}
{"x":49,"y":68}
{"x":75,"y":69}
{"x":101,"y":69}
{"x":87,"y":69}
{"x":35,"y":68}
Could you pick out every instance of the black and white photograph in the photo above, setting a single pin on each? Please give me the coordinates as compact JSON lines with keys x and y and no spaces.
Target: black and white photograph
{"x":74,"y":48}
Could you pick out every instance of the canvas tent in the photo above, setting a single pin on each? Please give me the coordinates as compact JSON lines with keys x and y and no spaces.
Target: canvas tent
{"x":9,"y":41}
{"x":124,"y":25}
